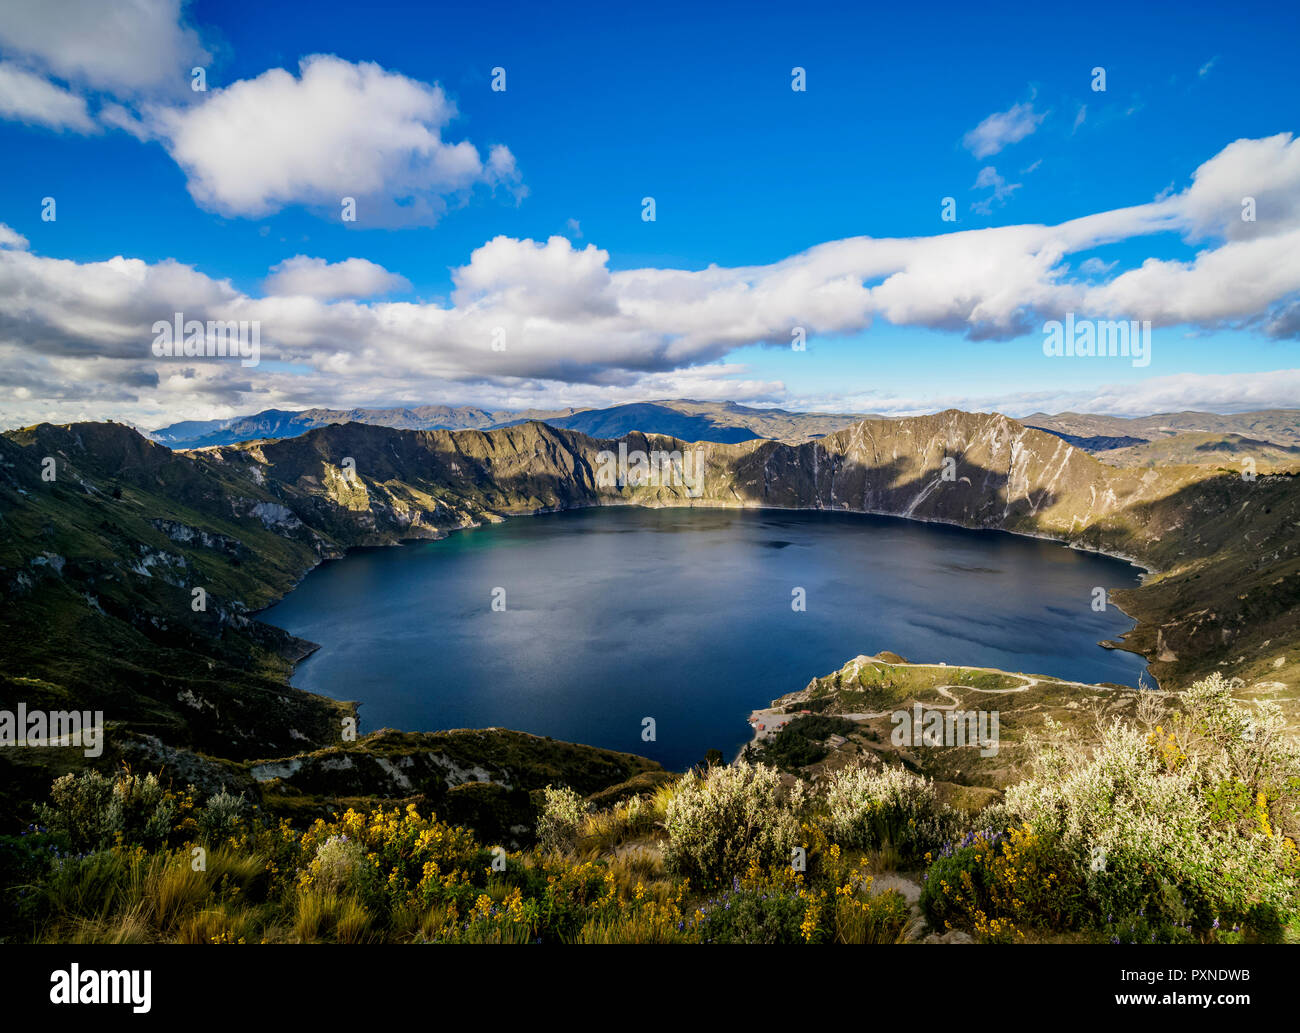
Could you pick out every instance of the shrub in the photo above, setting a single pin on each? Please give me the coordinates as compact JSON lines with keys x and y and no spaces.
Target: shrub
{"x":721,"y":821}
{"x":561,"y":821}
{"x":339,"y":865}
{"x":753,"y":916}
{"x":891,"y":807}
{"x":866,"y":917}
{"x":853,"y":911}
{"x":998,"y":885}
{"x":1163,"y":820}
{"x":94,"y":885}
{"x":93,"y":811}
{"x":1140,"y":929}
{"x":220,"y":817}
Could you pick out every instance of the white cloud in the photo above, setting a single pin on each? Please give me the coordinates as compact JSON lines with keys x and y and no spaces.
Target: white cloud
{"x":1284,"y":322}
{"x":26,"y":97}
{"x":337,"y":130}
{"x":1219,"y":392}
{"x":999,"y":190}
{"x":314,"y":277}
{"x":574,"y":327}
{"x":1096,"y":267}
{"x":12,"y":238}
{"x":118,"y":116}
{"x":1002,"y":129}
{"x":1266,"y":170}
{"x":120,"y":47}
{"x":258,"y":145}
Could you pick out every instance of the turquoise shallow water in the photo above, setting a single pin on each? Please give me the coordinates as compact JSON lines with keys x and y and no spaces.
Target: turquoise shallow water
{"x":617,"y":614}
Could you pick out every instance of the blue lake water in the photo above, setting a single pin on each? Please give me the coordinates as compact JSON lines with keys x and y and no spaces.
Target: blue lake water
{"x":613,"y":615}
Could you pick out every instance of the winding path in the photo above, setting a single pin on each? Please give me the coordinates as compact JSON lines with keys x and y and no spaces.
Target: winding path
{"x":770,"y":716}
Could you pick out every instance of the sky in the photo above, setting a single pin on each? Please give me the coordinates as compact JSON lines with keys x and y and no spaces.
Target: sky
{"x":948,"y":181}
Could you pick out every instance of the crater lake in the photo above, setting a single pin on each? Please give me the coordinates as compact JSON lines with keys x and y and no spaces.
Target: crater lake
{"x":616,"y":614}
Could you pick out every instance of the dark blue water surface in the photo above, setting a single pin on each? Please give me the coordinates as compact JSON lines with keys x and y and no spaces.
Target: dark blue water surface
{"x":618,"y":614}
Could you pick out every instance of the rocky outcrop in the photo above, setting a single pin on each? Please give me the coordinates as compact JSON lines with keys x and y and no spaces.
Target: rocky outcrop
{"x":486,"y":778}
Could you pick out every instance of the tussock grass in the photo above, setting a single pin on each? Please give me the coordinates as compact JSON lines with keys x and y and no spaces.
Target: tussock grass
{"x":635,"y":928}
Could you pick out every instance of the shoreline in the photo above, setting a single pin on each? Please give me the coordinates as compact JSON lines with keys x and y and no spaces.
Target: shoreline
{"x":442,"y":534}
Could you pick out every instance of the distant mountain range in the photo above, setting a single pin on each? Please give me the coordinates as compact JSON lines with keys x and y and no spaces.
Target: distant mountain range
{"x":721,"y":422}
{"x":1270,"y":436}
{"x":281,"y":423}
{"x":1280,"y":427}
{"x":1197,"y":448}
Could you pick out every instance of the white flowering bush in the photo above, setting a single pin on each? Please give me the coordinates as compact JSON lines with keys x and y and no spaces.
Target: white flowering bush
{"x":1185,"y":820}
{"x":563,"y":815}
{"x":339,"y":865}
{"x":872,"y":809}
{"x":92,"y":810}
{"x":220,"y":816}
{"x":721,"y":821}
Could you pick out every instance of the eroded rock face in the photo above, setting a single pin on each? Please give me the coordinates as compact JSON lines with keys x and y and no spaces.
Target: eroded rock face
{"x":978,"y":470}
{"x":486,"y":778}
{"x":186,"y":535}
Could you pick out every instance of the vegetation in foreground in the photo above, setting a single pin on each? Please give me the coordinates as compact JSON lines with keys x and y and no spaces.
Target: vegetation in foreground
{"x":1176,"y":827}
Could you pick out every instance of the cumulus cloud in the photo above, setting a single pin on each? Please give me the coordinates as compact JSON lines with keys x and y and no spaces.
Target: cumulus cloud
{"x":1003,"y":128}
{"x":10,"y":238}
{"x":1265,"y":171}
{"x":336,"y":130}
{"x":27,"y":97}
{"x":316,"y":278}
{"x":128,"y":48}
{"x":525,"y":316}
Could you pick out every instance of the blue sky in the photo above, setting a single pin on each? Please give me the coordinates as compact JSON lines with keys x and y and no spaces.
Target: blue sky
{"x":692,"y":105}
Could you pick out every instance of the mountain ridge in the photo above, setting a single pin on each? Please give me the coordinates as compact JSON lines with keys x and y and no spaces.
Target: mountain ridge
{"x":731,"y":422}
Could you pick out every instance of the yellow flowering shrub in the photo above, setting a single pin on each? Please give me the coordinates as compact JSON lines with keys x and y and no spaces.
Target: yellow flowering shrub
{"x":997,"y":886}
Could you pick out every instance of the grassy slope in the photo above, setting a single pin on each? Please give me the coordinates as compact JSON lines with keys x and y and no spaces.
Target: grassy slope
{"x":872,"y":688}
